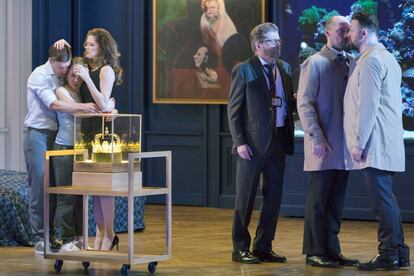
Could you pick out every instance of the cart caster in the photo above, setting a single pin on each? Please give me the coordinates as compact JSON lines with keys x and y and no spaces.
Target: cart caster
{"x":58,"y":265}
{"x":85,"y":265}
{"x":152,"y":267}
{"x":125,"y":268}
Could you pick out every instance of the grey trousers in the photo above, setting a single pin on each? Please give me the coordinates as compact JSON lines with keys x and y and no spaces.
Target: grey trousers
{"x":36,"y":143}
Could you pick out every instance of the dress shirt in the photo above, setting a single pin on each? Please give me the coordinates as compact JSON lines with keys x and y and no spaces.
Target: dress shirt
{"x":41,"y":87}
{"x":281,"y":112}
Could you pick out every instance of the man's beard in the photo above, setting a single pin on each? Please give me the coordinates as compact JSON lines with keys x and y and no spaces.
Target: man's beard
{"x":274,"y":52}
{"x":345,"y":46}
{"x":353,"y":47}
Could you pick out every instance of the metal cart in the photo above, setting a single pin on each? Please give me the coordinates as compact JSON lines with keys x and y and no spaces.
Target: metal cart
{"x":86,"y":255}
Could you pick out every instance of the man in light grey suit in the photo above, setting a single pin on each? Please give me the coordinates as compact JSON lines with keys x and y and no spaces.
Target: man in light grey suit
{"x":322,"y":83}
{"x":374,"y":136}
{"x":261,"y":125}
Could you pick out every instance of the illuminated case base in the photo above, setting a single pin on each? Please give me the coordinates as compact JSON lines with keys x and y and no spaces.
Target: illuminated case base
{"x":105,"y":181}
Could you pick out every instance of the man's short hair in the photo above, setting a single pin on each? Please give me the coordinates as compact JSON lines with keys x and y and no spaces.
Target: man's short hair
{"x":368,"y":21}
{"x":258,"y":33}
{"x":63,"y":55}
{"x":332,"y":21}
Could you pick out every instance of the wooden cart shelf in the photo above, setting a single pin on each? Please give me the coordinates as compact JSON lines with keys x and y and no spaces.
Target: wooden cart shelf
{"x":127,"y":258}
{"x":105,"y":256}
{"x":70,"y":190}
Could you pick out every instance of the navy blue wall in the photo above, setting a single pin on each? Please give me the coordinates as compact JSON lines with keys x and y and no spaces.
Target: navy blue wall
{"x":198,"y":135}
{"x":71,"y":19}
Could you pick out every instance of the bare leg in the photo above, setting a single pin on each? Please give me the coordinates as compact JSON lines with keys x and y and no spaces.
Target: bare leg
{"x":97,"y":210}
{"x":108,"y":210}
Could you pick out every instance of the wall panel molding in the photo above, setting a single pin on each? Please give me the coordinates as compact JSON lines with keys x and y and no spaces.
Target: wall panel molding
{"x":189,"y":170}
{"x":16,"y":52}
{"x":3,"y":82}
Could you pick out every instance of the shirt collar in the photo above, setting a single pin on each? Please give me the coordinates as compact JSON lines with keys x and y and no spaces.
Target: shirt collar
{"x":264,"y":62}
{"x":49,"y":68}
{"x":335,"y":50}
{"x":369,"y":48}
{"x":338,"y":53}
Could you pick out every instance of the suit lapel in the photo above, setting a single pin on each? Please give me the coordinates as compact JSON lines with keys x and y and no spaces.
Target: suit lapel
{"x":258,"y":71}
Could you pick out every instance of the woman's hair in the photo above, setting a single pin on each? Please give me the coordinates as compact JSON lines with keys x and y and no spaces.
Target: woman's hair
{"x":73,"y":62}
{"x":78,"y":60}
{"x":109,"y":53}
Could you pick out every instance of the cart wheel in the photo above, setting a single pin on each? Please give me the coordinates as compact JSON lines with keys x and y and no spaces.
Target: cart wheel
{"x":85,"y":265}
{"x":152,"y":267}
{"x":125,"y":268}
{"x":58,"y":265}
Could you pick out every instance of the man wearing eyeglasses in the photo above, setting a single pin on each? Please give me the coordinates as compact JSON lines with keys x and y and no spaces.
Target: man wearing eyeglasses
{"x":261,"y":124}
{"x":322,"y":83}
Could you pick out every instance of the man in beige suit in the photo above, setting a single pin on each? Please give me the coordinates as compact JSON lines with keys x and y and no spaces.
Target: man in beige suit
{"x":322,"y":84}
{"x":374,"y":136}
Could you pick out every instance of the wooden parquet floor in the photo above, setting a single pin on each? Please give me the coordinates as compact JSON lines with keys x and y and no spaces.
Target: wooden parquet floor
{"x":202,"y":246}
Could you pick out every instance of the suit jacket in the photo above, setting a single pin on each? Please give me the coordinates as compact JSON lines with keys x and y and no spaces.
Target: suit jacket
{"x":250,"y":110}
{"x":373,"y":111}
{"x":322,"y":83}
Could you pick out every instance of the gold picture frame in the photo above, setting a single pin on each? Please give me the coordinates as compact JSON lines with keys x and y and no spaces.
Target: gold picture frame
{"x":196,"y":43}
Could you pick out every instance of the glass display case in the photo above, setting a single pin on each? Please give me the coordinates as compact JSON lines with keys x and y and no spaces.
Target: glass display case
{"x":102,"y":143}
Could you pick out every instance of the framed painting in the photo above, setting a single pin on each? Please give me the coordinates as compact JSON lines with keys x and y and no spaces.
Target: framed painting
{"x":196,"y":43}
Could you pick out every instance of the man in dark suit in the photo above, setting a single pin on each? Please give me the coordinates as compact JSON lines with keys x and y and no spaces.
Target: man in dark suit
{"x":261,"y":124}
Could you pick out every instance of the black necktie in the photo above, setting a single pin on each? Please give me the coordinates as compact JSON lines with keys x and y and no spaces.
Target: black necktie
{"x":345,"y":61}
{"x":272,"y":87}
{"x":343,"y":58}
{"x":271,"y":78}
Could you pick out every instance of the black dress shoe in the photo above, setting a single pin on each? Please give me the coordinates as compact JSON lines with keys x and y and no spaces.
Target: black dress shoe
{"x":244,"y":257}
{"x":404,"y":263}
{"x":379,"y":263}
{"x":270,"y":256}
{"x":344,"y":261}
{"x":321,"y":261}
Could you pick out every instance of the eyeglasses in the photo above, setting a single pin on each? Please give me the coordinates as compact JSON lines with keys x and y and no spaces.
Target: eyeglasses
{"x":271,"y":41}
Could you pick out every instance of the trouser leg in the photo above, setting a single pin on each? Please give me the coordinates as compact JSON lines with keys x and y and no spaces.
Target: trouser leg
{"x":334,"y":211}
{"x":386,"y":210}
{"x":247,"y":179}
{"x":66,"y":204}
{"x":315,"y":223}
{"x":36,"y":142}
{"x":323,"y":212}
{"x":78,"y":216}
{"x":272,"y":189}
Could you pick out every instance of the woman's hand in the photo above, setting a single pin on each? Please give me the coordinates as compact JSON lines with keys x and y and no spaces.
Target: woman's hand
{"x":113,"y":117}
{"x":82,"y":72}
{"x":60,"y":44}
{"x":110,"y":105}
